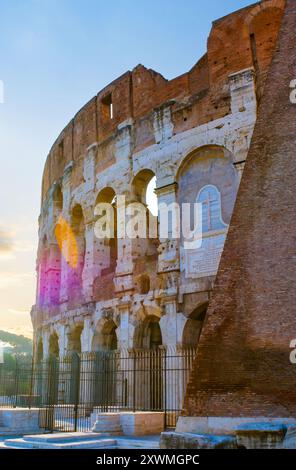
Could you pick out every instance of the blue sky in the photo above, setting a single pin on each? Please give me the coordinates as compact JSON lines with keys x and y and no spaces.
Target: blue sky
{"x":54,"y":56}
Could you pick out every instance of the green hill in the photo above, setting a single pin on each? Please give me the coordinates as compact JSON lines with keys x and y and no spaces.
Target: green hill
{"x":20,"y":344}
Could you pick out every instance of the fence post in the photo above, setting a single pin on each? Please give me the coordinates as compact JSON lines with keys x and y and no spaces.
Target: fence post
{"x":31,"y":382}
{"x":134,"y":382}
{"x":165,"y":387}
{"x":16,"y":382}
{"x":76,"y":368}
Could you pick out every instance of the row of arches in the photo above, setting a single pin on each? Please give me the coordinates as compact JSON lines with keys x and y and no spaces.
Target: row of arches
{"x":62,"y":255}
{"x":208,"y":175}
{"x":148,"y":336}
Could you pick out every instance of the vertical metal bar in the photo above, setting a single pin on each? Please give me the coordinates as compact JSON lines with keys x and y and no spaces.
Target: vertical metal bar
{"x":16,"y":381}
{"x":165,"y":388}
{"x":134,"y":384}
{"x":31,"y":382}
{"x":77,"y":388}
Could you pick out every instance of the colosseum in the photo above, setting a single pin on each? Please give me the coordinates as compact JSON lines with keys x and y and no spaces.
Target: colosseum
{"x":148,"y":139}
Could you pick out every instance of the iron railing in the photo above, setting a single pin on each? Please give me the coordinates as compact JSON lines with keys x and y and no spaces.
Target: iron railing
{"x":69,"y":391}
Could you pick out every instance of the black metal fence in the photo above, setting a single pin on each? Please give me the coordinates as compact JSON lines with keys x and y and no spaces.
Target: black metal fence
{"x":71,"y":390}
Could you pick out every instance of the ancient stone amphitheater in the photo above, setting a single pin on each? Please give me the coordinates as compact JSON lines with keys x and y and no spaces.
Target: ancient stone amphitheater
{"x":188,"y":138}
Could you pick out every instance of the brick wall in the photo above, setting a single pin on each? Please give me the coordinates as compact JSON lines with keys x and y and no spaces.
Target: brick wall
{"x":242,"y":366}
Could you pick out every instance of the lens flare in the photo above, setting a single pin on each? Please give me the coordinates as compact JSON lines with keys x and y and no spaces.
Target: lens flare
{"x":67,"y":242}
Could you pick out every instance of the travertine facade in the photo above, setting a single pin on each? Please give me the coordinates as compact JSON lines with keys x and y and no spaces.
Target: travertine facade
{"x":193,"y":134}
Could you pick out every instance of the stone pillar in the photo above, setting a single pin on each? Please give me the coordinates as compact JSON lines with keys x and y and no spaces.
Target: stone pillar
{"x":126,"y":339}
{"x":86,"y":336}
{"x":244,"y":105}
{"x":243,"y":91}
{"x":45,"y":342}
{"x":62,"y":332}
{"x":89,"y":263}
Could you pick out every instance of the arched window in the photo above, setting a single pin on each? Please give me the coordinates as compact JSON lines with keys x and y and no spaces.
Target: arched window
{"x":210,"y":198}
{"x":54,"y":350}
{"x":74,"y":339}
{"x":105,"y":337}
{"x":193,"y":327}
{"x":76,"y":268}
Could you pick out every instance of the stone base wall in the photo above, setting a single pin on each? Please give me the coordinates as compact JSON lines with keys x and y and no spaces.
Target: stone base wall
{"x":20,"y":420}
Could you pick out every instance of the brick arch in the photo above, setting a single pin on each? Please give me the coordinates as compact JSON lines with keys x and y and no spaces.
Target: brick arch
{"x":263,"y":6}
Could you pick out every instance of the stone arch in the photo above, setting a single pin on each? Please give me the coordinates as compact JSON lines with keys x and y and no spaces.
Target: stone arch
{"x":42,"y":272}
{"x":199,"y":152}
{"x":140,"y":184}
{"x":143,"y":189}
{"x":107,"y":194}
{"x":148,"y":333}
{"x":206,"y":166}
{"x":105,"y":336}
{"x":105,"y":249}
{"x":74,"y":339}
{"x":76,"y":267}
{"x":54,"y":349}
{"x":57,"y":198}
{"x":193,"y":326}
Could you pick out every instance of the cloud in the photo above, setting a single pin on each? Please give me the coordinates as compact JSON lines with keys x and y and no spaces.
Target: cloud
{"x":7,"y":244}
{"x":9,"y":279}
{"x":10,"y":245}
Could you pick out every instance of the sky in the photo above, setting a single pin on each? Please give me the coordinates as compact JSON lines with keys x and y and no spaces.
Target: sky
{"x":54,"y":56}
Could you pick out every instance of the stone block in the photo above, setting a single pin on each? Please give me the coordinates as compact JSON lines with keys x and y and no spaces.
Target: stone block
{"x":20,"y":420}
{"x":261,"y":435}
{"x":174,"y":440}
{"x":142,"y":423}
{"x":108,"y":423}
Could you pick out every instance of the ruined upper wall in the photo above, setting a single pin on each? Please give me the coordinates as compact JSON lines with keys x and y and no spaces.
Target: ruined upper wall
{"x":238,"y":41}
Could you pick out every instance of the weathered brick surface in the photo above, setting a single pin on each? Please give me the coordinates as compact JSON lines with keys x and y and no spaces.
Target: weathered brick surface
{"x":200,"y":95}
{"x":242,"y":367}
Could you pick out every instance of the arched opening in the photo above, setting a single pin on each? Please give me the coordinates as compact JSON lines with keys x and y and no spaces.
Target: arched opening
{"x":57,"y":200}
{"x":106,"y":247}
{"x":105,"y":338}
{"x":74,"y":339}
{"x":143,"y":191}
{"x":148,"y":334}
{"x":54,"y":350}
{"x":208,"y":179}
{"x":39,"y":352}
{"x":76,"y":267}
{"x":55,"y":256}
{"x":104,"y":344}
{"x":193,"y":327}
{"x":43,"y":273}
{"x":150,"y":363}
{"x":144,"y":185}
